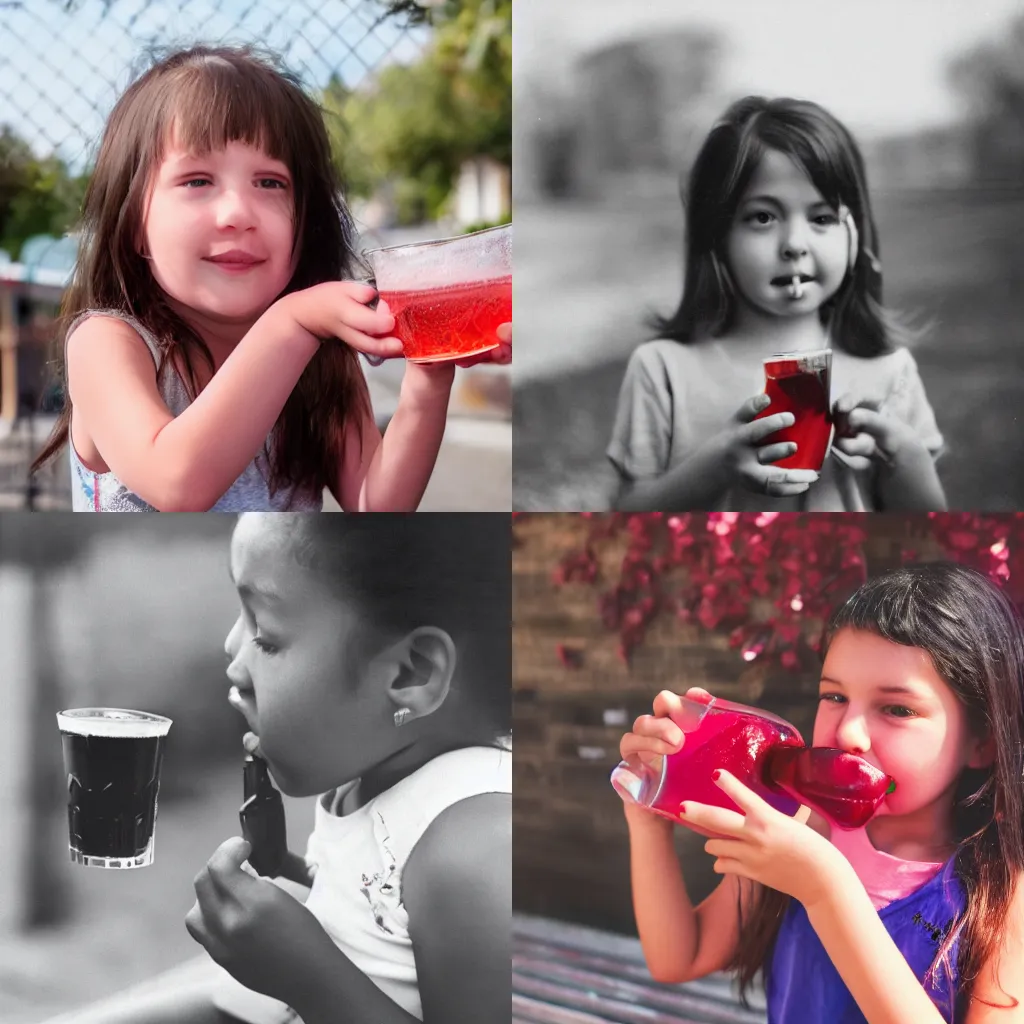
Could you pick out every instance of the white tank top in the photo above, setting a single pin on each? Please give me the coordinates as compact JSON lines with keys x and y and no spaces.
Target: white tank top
{"x":360,"y":857}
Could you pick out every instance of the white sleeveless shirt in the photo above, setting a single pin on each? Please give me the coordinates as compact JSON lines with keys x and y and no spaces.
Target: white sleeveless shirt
{"x":360,"y":857}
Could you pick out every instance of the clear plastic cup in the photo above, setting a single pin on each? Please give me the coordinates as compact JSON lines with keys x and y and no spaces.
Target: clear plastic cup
{"x":447,"y":296}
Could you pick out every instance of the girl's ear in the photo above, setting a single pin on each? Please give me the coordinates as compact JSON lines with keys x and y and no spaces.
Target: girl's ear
{"x":419,"y":671}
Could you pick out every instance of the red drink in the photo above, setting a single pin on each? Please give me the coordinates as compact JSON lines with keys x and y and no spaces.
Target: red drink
{"x":799,"y":383}
{"x":766,"y":754}
{"x":843,"y":787}
{"x":717,"y":735}
{"x":451,"y":322}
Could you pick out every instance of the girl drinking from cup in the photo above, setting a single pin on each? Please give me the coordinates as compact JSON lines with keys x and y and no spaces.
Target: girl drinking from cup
{"x":371,"y":660}
{"x":210,"y":333}
{"x":781,"y":257}
{"x":917,"y":916}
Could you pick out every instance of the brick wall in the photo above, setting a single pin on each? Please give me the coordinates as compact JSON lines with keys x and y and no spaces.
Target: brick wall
{"x":570,"y":854}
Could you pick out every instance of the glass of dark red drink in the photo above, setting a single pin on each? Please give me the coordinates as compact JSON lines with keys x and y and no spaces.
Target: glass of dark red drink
{"x":799,"y":382}
{"x":112,"y":758}
{"x":447,"y":296}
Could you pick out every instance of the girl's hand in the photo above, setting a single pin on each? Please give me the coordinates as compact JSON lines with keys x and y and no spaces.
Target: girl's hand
{"x":750,"y":463}
{"x":501,"y":355}
{"x":253,"y":929}
{"x":339,"y":309}
{"x":765,"y":845}
{"x":863,"y":432}
{"x":655,"y":735}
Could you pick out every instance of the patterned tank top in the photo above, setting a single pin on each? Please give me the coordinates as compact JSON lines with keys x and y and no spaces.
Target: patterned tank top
{"x":104,"y":492}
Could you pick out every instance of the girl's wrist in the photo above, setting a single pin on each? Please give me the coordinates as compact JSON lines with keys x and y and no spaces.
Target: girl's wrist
{"x":429,"y":383}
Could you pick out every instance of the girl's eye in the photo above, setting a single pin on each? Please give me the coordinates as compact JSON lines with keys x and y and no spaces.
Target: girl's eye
{"x":272,"y":183}
{"x":831,"y":698}
{"x":761,"y":217}
{"x":262,"y":646}
{"x":196,"y":181}
{"x":825,"y":219}
{"x":898,"y":711}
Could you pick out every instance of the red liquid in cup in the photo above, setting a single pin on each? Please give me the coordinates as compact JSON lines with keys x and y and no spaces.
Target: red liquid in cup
{"x":452,"y":322}
{"x":767,"y":755}
{"x":805,"y":393}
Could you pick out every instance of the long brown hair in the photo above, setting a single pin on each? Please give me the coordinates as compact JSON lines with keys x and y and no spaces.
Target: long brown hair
{"x":210,"y":96}
{"x":855,"y":316}
{"x":975,"y":637}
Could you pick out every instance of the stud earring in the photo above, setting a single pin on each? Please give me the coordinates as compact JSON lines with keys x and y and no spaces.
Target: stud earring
{"x":401,"y":717}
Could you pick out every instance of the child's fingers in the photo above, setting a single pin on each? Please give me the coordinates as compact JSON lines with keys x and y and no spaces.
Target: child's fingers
{"x":373,"y":346}
{"x":751,"y":407}
{"x":666,"y":704}
{"x":362,"y":318}
{"x":651,"y":727}
{"x":863,"y":445}
{"x":780,"y":483}
{"x":770,"y":453}
{"x":505,"y":334}
{"x":633,"y":745}
{"x":758,"y":430}
{"x":699,"y":694}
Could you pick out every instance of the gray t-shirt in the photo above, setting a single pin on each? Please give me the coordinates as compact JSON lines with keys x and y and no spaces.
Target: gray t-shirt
{"x":103,"y":492}
{"x":674,"y":397}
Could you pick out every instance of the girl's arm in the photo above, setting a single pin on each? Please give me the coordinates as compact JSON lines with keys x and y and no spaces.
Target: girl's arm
{"x":390,"y":474}
{"x":869,"y":962}
{"x":1001,"y":978}
{"x":910,"y":482}
{"x":680,"y":942}
{"x":185,"y":463}
{"x":457,"y":888}
{"x":698,"y":482}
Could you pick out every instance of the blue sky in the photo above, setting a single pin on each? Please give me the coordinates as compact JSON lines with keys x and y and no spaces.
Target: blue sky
{"x":60,"y":73}
{"x":879,"y":65}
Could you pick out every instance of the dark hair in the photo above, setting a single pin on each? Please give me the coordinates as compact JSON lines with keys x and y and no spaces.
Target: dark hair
{"x":974,"y":636}
{"x":451,"y":570}
{"x":211,"y":96}
{"x":817,"y":142}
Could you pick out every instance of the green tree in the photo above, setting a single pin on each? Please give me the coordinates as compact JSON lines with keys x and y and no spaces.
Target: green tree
{"x":37,"y":197}
{"x":410,"y":127}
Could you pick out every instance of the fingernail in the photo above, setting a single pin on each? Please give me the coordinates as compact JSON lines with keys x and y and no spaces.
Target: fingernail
{"x":716,"y":775}
{"x":682,"y":810}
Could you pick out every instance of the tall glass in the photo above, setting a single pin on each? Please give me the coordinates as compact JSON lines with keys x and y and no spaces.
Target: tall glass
{"x":112,"y":758}
{"x":799,"y":382}
{"x":448,"y":296}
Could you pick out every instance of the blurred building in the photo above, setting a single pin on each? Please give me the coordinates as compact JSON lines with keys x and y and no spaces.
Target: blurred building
{"x":29,"y":303}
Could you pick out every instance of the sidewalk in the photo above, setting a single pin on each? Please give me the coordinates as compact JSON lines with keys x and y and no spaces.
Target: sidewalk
{"x":568,"y":974}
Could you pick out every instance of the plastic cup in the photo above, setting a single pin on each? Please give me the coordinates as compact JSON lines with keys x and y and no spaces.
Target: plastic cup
{"x":447,"y":296}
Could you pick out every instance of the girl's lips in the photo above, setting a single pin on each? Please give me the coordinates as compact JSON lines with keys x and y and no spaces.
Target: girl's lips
{"x":245,"y":703}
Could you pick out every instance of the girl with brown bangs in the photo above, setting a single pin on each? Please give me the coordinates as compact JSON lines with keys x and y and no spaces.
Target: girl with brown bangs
{"x":782,"y":256}
{"x":211,"y":330}
{"x":918,"y":916}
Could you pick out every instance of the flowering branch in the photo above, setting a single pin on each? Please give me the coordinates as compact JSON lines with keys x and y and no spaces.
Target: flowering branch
{"x":769,"y":578}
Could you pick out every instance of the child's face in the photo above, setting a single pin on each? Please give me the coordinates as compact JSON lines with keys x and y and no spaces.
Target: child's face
{"x":322,"y":719}
{"x":886,"y":702}
{"x":783,"y":227}
{"x":218,"y":230}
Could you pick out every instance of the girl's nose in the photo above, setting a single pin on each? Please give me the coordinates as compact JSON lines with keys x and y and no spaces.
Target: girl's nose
{"x":852,"y":735}
{"x":234,"y":210}
{"x":232,"y":647}
{"x":794,"y":244}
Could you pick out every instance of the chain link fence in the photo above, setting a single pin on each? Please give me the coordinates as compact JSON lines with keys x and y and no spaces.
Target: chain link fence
{"x":63,"y":64}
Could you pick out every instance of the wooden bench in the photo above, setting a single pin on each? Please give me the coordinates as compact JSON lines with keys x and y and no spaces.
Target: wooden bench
{"x":568,"y":974}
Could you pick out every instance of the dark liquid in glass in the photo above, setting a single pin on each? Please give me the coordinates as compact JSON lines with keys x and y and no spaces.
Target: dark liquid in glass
{"x":112,"y":792}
